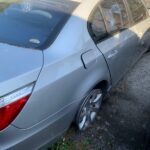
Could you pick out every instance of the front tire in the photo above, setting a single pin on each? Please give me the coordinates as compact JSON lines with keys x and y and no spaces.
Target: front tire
{"x":89,"y":109}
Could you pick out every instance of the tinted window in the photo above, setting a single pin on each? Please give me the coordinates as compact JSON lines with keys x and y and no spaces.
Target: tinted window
{"x":97,"y":26}
{"x":115,"y":14}
{"x":138,"y":10}
{"x":33,"y":23}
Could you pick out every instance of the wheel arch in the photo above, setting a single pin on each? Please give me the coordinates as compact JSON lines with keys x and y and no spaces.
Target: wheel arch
{"x":103,"y":85}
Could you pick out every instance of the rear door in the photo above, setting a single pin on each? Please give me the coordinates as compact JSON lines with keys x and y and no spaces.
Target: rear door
{"x":141,"y":23}
{"x":120,"y":44}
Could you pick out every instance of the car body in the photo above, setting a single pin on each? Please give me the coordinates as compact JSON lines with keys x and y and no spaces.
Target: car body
{"x":56,"y":68}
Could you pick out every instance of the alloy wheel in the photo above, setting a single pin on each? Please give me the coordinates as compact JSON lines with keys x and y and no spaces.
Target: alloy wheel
{"x":89,"y":109}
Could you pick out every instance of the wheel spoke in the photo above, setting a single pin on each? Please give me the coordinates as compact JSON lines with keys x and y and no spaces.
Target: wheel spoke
{"x":98,"y":97}
{"x":93,"y":97}
{"x":93,"y":116}
{"x":82,"y":123}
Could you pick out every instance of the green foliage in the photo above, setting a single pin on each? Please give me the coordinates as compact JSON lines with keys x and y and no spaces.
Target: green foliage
{"x":63,"y":145}
{"x":68,"y":144}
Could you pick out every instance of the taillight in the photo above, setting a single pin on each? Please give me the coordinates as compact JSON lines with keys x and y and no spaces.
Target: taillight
{"x":11,"y":105}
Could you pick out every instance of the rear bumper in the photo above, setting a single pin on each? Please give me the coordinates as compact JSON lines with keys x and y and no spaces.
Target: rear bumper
{"x":38,"y":136}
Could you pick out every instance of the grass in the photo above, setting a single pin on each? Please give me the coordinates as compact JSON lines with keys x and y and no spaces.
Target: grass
{"x":68,"y":144}
{"x":63,"y":145}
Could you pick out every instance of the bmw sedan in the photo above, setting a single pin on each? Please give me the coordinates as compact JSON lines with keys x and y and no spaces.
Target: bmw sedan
{"x":58,"y":60}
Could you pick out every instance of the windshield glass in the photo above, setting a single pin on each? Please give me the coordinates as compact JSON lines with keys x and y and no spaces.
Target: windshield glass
{"x":33,"y":23}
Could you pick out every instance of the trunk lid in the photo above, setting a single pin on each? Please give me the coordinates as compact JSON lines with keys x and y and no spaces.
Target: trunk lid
{"x":18,"y":67}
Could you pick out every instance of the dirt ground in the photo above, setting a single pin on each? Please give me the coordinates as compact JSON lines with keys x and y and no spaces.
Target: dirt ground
{"x":124,"y":120}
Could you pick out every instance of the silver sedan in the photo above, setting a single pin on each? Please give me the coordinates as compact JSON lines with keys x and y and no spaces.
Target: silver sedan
{"x":58,"y":60}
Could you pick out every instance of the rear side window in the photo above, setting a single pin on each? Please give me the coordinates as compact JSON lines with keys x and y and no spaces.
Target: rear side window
{"x":115,"y":15}
{"x":138,"y":10}
{"x":97,"y":26}
{"x":33,"y":23}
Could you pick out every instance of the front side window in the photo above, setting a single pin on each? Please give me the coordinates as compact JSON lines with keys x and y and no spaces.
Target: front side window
{"x":33,"y":23}
{"x":115,"y":14}
{"x":97,"y":26}
{"x":138,"y":10}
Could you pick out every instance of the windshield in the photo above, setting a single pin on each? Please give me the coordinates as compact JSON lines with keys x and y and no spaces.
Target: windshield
{"x":33,"y":23}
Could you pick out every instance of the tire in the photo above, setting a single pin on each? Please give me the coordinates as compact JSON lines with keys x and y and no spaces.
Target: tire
{"x":89,"y":109}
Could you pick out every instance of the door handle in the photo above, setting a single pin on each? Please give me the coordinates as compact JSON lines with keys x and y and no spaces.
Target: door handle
{"x":112,"y":54}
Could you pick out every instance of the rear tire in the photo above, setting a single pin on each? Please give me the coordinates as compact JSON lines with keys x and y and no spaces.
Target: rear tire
{"x":89,"y":109}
